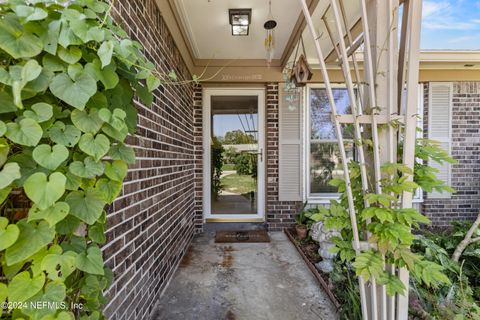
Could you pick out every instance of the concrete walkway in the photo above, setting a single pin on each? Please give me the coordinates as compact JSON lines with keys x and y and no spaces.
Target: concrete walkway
{"x":244,"y":281}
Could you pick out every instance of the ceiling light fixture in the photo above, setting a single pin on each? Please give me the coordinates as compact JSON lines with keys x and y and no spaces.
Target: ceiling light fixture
{"x":240,"y":20}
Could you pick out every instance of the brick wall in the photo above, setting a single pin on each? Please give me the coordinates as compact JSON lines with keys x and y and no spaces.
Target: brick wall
{"x":280,"y":214}
{"x":465,"y":203}
{"x":198,"y":141}
{"x":152,"y":223}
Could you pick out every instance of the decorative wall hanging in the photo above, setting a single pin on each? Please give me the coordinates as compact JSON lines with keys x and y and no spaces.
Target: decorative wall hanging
{"x":269,"y":26}
{"x":301,"y":71}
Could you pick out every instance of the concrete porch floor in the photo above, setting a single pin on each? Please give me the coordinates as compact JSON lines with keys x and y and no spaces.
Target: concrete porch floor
{"x":251,"y":281}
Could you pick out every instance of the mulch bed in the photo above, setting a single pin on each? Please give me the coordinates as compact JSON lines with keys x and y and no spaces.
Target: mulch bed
{"x":309,"y":252}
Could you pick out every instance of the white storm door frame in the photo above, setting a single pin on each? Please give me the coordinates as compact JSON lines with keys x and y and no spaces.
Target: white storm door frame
{"x":261,"y":180}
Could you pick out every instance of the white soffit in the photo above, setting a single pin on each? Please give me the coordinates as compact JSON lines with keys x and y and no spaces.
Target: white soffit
{"x":209,"y":33}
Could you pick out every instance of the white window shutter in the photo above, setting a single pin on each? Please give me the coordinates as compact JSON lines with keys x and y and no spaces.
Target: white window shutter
{"x":290,"y":145}
{"x":440,"y":128}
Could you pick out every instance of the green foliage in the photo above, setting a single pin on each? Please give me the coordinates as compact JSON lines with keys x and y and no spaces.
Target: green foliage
{"x":389,"y":226}
{"x":68,"y":77}
{"x":217,"y":165}
{"x":459,"y":300}
{"x":302,"y":216}
{"x":237,"y":137}
{"x":246,"y":164}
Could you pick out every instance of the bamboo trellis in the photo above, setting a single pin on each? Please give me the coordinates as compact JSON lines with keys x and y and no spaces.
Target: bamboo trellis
{"x":384,"y":104}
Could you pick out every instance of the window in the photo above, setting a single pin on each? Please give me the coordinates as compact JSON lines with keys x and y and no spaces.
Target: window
{"x":323,"y":160}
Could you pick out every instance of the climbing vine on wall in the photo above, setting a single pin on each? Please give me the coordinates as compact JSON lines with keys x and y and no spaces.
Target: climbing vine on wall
{"x":68,"y":77}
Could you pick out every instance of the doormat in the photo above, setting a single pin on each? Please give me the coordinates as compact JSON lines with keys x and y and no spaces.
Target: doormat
{"x":242,"y":236}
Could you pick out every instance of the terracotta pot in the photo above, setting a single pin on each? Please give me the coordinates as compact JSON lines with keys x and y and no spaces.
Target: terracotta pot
{"x":301,"y":231}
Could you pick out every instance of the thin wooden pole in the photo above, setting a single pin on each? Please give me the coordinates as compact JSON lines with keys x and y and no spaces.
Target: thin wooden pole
{"x":392,"y":139}
{"x":358,"y":137}
{"x":354,"y":58}
{"x":369,"y":64}
{"x":338,"y":130}
{"x":415,"y":14}
{"x":402,"y":60}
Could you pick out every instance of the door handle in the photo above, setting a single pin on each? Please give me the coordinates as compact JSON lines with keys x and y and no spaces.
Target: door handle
{"x":260,"y":153}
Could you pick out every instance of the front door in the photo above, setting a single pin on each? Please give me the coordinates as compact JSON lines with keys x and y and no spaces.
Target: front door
{"x":234,"y":155}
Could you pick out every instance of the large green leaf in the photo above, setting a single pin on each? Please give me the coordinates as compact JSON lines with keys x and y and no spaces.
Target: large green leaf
{"x":110,"y":189}
{"x":9,"y":173}
{"x":116,"y":118}
{"x":73,"y":181}
{"x":40,"y":112}
{"x":116,"y":170}
{"x":4,"y":193}
{"x":42,"y":192}
{"x":91,"y":261}
{"x":28,"y":13}
{"x":52,"y":215}
{"x":105,"y":52}
{"x":27,"y":132}
{"x":70,"y":55}
{"x":122,"y":152}
{"x":16,"y":41}
{"x":86,"y":205}
{"x":8,"y":234}
{"x":96,"y":147}
{"x":88,"y":122}
{"x":50,"y":41}
{"x":20,"y":76}
{"x":3,"y":292}
{"x":54,"y":294}
{"x":3,"y":128}
{"x":76,"y":92}
{"x":6,"y":103}
{"x":113,"y":133}
{"x":53,"y":63}
{"x":4,"y":151}
{"x":50,"y":157}
{"x":97,"y":233}
{"x":66,"y":135}
{"x":32,"y":239}
{"x":107,"y":76}
{"x":89,"y":168}
{"x":23,"y":287}
{"x":59,"y":266}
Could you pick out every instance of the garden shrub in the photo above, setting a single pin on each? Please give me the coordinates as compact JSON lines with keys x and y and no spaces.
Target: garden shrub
{"x":389,"y":225}
{"x":460,"y":299}
{"x":246,"y":164}
{"x":68,"y":77}
{"x":217,"y":166}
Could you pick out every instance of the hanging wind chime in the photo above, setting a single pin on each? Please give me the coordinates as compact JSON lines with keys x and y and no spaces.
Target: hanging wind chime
{"x":269,"y":26}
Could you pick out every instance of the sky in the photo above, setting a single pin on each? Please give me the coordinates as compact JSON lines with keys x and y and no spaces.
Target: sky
{"x":222,"y":123}
{"x":451,"y":24}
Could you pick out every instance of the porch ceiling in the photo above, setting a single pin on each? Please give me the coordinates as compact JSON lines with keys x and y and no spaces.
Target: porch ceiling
{"x":206,"y":26}
{"x":201,"y":30}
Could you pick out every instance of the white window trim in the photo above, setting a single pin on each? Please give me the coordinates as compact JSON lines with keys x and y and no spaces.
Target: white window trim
{"x":325,"y":198}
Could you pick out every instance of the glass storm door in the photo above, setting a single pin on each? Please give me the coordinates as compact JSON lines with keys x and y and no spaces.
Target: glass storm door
{"x":234,"y":147}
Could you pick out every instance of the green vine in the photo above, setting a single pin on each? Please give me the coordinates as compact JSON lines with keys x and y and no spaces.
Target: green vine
{"x":390,"y":226}
{"x":68,"y":78}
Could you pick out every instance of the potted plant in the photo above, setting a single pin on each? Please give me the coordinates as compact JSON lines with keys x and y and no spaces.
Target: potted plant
{"x":301,"y":226}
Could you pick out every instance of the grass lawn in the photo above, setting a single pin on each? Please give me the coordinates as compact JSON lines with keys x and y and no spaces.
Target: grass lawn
{"x":238,"y":183}
{"x":228,"y":167}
